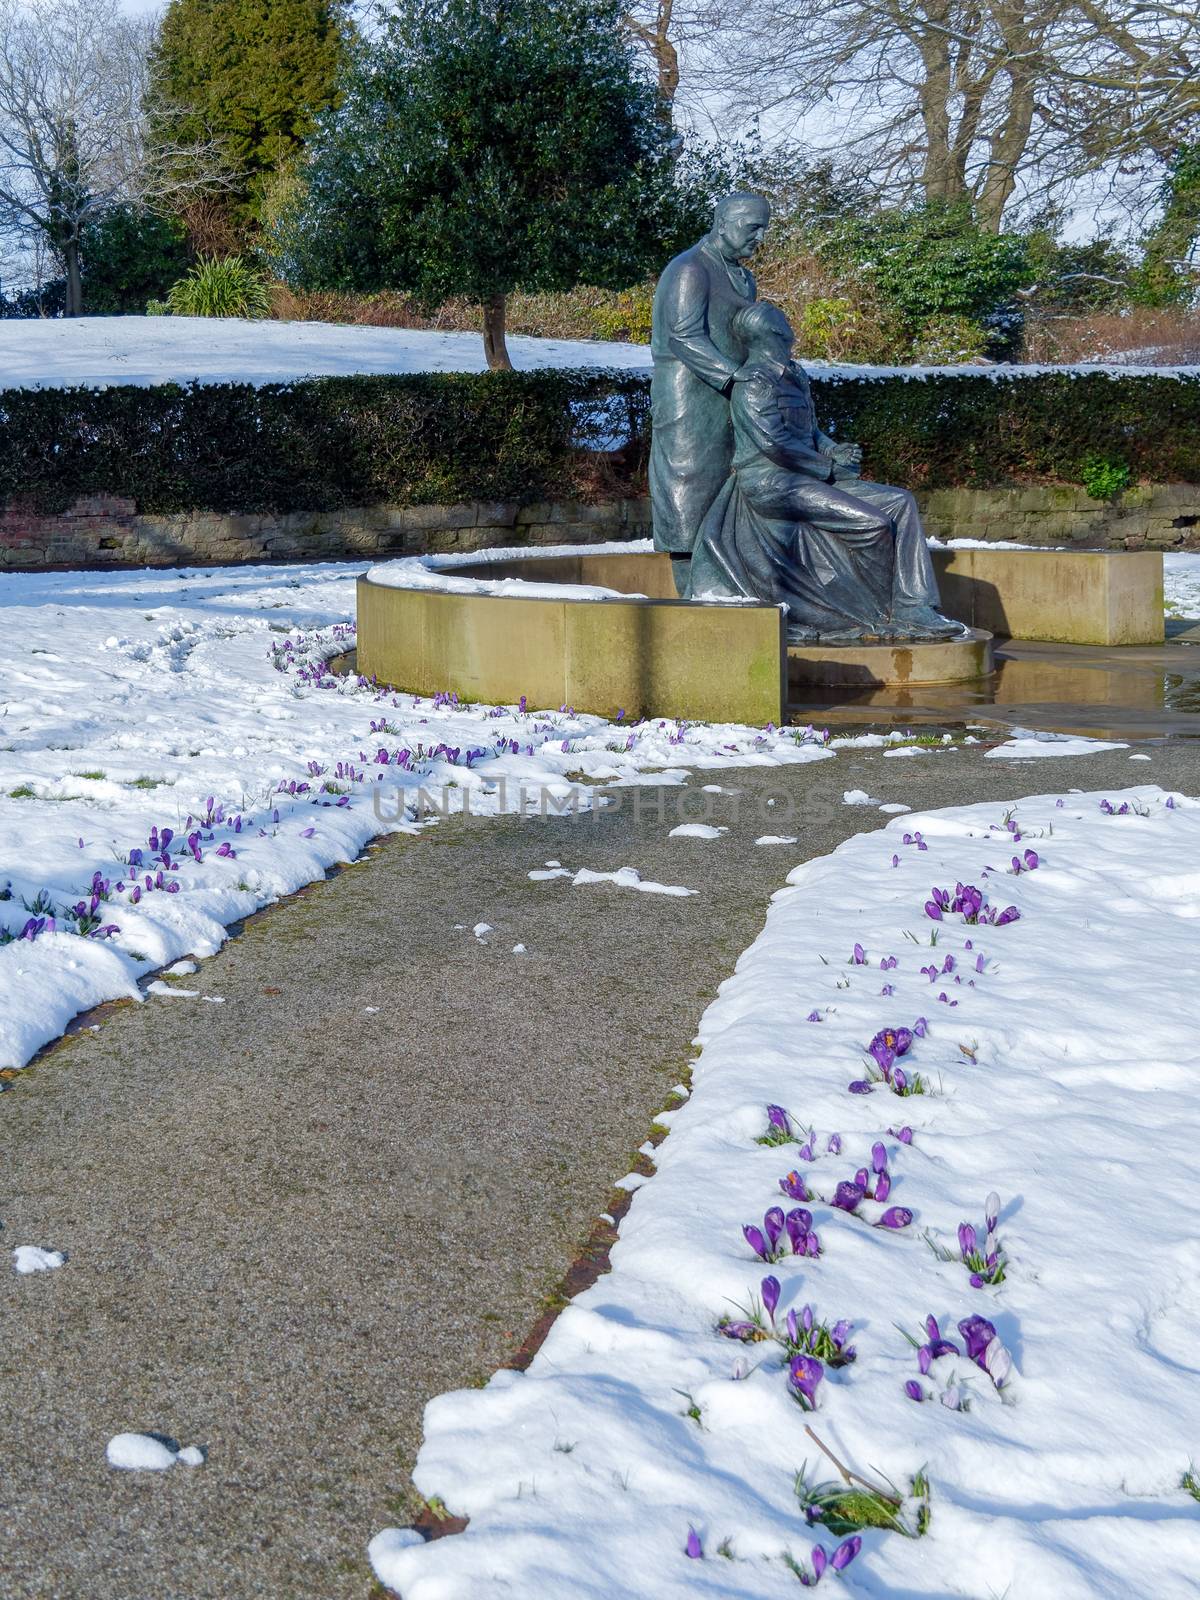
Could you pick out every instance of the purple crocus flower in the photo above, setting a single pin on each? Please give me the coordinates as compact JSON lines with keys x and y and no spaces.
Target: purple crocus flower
{"x":860,"y":1086}
{"x":742,"y":1331}
{"x":905,"y":1134}
{"x":933,"y":910}
{"x":770,"y":1295}
{"x":937,"y":1345}
{"x":814,"y":1016}
{"x":845,"y":1553}
{"x":967,"y":1240}
{"x":693,"y":1548}
{"x":794,"y":1187}
{"x":804,"y":1374}
{"x":819,"y":1561}
{"x":991,"y":1211}
{"x":895,"y":1217}
{"x":920,"y":1027}
{"x":878,"y":1158}
{"x":806,"y":1152}
{"x":914,"y":1390}
{"x":799,"y":1225}
{"x":773,"y":1224}
{"x":883,"y":1186}
{"x":847,"y":1196}
{"x":834,"y":1146}
{"x":977,"y":1334}
{"x":792,"y":1327}
{"x":778,"y":1119}
{"x":1031,"y":859}
{"x":860,"y":956}
{"x":755,"y":1240}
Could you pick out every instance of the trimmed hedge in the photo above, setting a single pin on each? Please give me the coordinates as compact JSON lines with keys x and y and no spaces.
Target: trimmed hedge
{"x":443,"y":438}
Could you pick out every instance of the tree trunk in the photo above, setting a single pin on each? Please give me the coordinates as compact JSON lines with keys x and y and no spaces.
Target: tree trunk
{"x":494,"y":346}
{"x":74,"y":306}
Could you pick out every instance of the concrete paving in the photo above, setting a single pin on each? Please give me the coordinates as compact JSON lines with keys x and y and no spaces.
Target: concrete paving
{"x":294,"y":1217}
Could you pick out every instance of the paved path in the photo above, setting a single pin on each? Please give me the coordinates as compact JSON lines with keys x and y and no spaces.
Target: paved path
{"x":295,"y":1216}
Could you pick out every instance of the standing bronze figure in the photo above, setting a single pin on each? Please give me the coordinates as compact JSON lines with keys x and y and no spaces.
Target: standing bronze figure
{"x":696,"y":356}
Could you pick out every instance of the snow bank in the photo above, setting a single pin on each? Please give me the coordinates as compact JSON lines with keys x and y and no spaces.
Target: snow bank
{"x":102,"y":351}
{"x":175,"y":754}
{"x":646,"y":1455}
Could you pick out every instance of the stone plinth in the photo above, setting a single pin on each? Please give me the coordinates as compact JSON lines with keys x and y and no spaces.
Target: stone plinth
{"x":1102,"y":597}
{"x":890,"y":666}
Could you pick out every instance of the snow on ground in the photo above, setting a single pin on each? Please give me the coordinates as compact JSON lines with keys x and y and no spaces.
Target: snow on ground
{"x":99,"y":351}
{"x":147,"y":1452}
{"x":32,"y":1258}
{"x":644,"y":1454}
{"x":174,"y":754}
{"x":1181,"y":583}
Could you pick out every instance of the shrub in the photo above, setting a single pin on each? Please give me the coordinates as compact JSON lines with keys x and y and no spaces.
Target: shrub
{"x":440,"y":438}
{"x":948,"y":340}
{"x":217,"y":287}
{"x":130,"y":257}
{"x":1104,"y":479}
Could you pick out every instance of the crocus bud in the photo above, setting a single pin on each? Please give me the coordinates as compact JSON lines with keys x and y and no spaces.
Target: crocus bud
{"x":883,"y":1186}
{"x":693,"y":1548}
{"x":845,"y":1553}
{"x":770,"y":1295}
{"x":847,"y":1196}
{"x":966,"y":1239}
{"x":991,"y":1211}
{"x":756,"y":1241}
{"x":914,"y":1390}
{"x":878,"y":1157}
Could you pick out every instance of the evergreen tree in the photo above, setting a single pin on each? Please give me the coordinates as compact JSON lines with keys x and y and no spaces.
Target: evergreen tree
{"x":255,"y":74}
{"x":483,"y":146}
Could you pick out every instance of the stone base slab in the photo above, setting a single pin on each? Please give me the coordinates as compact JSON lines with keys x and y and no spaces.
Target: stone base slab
{"x":1103,"y":597}
{"x":874,"y":666}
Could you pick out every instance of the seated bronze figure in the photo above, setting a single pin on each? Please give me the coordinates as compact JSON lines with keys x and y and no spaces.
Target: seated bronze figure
{"x":795,"y":524}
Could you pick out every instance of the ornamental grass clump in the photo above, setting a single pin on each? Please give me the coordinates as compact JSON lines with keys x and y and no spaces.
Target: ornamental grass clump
{"x":221,"y":286}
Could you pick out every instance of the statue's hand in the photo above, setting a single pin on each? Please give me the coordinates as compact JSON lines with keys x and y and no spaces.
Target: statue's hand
{"x":847,"y":455}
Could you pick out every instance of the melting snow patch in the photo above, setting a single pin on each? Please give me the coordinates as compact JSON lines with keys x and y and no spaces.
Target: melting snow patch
{"x":629,"y":878}
{"x":696,"y":830}
{"x":776,"y":838}
{"x":31,"y":1258}
{"x":145,"y":1452}
{"x":859,"y":797}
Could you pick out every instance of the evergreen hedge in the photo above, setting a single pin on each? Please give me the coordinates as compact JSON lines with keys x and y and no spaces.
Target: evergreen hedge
{"x":442,"y":438}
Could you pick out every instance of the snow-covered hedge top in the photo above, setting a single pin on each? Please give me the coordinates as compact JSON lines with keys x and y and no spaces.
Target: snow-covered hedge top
{"x":98,"y":352}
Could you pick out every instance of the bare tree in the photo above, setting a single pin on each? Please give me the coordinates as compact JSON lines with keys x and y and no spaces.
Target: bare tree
{"x":966,"y":99}
{"x":73,"y":142}
{"x":652,"y":26}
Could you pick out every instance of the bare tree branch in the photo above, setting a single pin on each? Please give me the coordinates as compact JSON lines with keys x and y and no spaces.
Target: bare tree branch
{"x":73,"y":138}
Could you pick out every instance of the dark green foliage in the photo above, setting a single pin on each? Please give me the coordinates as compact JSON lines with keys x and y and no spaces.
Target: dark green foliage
{"x":130,"y":257}
{"x":316,"y":445}
{"x":254,"y":74}
{"x":1169,"y":273}
{"x":934,"y":260}
{"x":1074,"y":278}
{"x":441,"y":438}
{"x":48,"y":300}
{"x":484,"y":146}
{"x":994,"y":429}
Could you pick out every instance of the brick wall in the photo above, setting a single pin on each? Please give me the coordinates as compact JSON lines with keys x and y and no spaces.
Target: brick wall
{"x":110,"y":532}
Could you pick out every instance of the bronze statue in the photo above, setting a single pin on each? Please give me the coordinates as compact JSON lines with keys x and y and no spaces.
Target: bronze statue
{"x":696,"y":356}
{"x":747,"y":494}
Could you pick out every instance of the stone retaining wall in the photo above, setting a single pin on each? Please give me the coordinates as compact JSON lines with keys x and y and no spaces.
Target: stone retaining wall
{"x":1153,"y":516}
{"x":107,"y":532}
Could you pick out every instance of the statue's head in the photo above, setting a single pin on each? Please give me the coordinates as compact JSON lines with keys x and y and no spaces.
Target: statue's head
{"x":763,"y":330}
{"x":740,"y":224}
